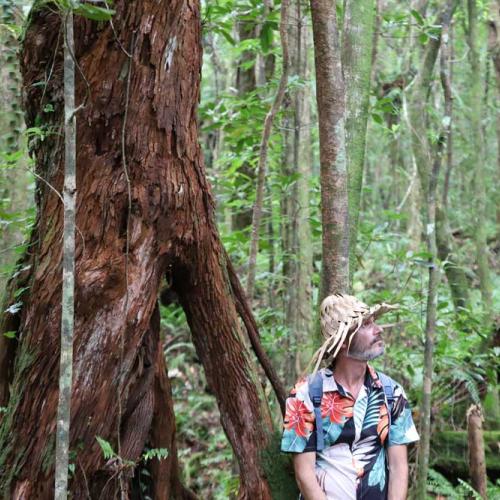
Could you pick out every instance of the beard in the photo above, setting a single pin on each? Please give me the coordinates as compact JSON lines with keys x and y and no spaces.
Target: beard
{"x":366,"y":353}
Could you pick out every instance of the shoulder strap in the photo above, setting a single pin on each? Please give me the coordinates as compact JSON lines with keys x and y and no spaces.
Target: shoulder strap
{"x":315,"y":394}
{"x":389,"y":386}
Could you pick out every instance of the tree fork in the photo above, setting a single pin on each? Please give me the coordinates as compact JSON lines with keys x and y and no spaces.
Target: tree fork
{"x":171,"y":229}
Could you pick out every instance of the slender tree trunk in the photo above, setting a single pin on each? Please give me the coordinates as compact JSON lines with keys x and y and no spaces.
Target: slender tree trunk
{"x":428,"y":171}
{"x":245,"y":83}
{"x":264,"y":146}
{"x":68,"y":259}
{"x":330,"y":95}
{"x":455,"y":275}
{"x":171,"y":230}
{"x":357,"y":39}
{"x":477,"y":460}
{"x":297,"y":160}
{"x":477,"y":159}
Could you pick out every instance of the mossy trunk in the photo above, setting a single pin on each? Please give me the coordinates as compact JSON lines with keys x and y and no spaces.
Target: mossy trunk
{"x":297,"y":163}
{"x":477,"y":158}
{"x":455,"y":274}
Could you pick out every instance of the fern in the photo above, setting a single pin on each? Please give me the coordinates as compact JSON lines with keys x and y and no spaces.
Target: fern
{"x":159,"y":453}
{"x":107,"y":449}
{"x":438,"y":484}
{"x":467,"y":490}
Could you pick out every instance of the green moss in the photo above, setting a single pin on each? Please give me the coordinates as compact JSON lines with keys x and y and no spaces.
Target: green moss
{"x":449,"y":452}
{"x":23,"y":360}
{"x":278,"y":468}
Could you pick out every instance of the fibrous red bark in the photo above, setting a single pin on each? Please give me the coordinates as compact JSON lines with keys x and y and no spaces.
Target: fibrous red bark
{"x":171,"y":232}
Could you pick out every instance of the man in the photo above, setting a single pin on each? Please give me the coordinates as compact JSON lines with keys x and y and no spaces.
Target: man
{"x":365,"y":435}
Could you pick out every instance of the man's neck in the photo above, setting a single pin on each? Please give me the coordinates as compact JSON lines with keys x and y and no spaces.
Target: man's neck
{"x":350,"y":373}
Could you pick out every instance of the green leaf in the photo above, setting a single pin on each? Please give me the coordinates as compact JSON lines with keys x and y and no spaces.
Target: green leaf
{"x":10,"y":334}
{"x":107,"y":449}
{"x":423,"y":38}
{"x":225,"y":34}
{"x":93,"y":12}
{"x":418,"y":17}
{"x":266,"y":36}
{"x":159,"y":453}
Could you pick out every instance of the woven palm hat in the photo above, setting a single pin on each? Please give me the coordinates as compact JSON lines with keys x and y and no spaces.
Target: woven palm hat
{"x":342,"y":315}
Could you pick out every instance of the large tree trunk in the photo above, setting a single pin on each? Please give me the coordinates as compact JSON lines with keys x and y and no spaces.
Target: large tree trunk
{"x":330,"y":95}
{"x":171,"y":233}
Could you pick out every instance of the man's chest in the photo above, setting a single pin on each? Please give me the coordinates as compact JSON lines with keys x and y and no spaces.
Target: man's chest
{"x":353,"y":421}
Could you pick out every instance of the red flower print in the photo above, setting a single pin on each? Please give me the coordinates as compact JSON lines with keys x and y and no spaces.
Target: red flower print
{"x":298,"y":417}
{"x":336,"y":407}
{"x":383,"y":424}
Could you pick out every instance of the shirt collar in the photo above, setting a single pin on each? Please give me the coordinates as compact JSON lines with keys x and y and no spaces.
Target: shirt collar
{"x":371,"y":380}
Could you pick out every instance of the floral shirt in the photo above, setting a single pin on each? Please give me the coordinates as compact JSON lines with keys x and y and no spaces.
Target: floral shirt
{"x":353,"y":463}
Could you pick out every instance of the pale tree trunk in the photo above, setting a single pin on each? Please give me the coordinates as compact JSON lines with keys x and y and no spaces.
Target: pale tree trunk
{"x":12,"y":188}
{"x":477,"y":159}
{"x":297,"y":242}
{"x":11,"y":101}
{"x":330,"y":96}
{"x":428,"y":171}
{"x":264,"y":146}
{"x":171,"y":233}
{"x":68,"y":259}
{"x":477,"y":459}
{"x":357,"y":39}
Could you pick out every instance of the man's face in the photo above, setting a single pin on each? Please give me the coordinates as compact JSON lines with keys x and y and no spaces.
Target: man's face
{"x":367,"y":343}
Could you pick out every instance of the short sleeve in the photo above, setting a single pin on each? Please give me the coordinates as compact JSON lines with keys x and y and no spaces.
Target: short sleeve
{"x":402,"y":429}
{"x":298,"y":423}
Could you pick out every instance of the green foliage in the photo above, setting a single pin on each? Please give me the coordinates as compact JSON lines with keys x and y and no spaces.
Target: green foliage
{"x":439,"y":485}
{"x":107,"y":449}
{"x":159,"y":453}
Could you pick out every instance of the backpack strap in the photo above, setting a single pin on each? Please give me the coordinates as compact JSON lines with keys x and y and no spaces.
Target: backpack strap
{"x":389,"y":386}
{"x":315,"y":394}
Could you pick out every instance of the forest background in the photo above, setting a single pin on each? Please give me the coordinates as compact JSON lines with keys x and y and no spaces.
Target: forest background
{"x":453,"y":111}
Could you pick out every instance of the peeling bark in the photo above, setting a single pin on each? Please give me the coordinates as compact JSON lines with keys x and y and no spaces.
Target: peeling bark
{"x":171,"y":231}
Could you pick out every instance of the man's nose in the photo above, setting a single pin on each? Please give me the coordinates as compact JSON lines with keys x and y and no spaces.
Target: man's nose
{"x":378,"y":328}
